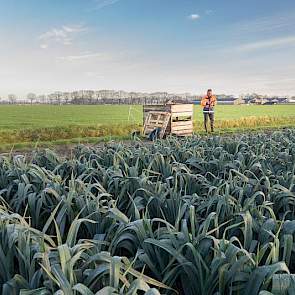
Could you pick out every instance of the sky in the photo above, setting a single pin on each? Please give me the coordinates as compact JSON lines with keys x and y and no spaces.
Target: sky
{"x":232,"y":46}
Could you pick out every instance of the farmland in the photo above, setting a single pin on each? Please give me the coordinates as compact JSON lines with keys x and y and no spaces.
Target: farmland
{"x":38,"y":116}
{"x":25,"y":124}
{"x":199,"y":215}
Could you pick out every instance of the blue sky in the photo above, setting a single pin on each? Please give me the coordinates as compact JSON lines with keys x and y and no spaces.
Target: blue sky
{"x":231,"y":46}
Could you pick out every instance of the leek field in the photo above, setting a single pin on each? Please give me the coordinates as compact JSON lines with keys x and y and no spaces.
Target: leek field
{"x":25,"y":124}
{"x":203,"y":215}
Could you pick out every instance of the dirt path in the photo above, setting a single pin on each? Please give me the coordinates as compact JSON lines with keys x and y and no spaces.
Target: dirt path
{"x":65,"y":150}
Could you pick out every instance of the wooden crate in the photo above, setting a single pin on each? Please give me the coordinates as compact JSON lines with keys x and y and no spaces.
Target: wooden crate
{"x":181,"y":120}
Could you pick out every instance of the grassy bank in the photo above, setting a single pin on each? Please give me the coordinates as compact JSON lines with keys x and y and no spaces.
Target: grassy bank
{"x":106,"y":135}
{"x":65,"y":133}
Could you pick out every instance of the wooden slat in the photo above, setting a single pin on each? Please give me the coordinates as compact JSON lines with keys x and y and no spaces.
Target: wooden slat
{"x":183,"y":133}
{"x":152,"y":127}
{"x":189,"y":124}
{"x":188,"y":130}
{"x":181,"y":108}
{"x":181,"y":114}
{"x":145,"y":126}
{"x":154,"y":113}
{"x":165,"y":124}
{"x":179,"y":128}
{"x":156,"y":121}
{"x":181,"y":123}
{"x":182,"y":130}
{"x":155,"y":109}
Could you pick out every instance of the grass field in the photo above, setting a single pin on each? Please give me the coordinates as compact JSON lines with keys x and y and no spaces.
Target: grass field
{"x":26,"y":123}
{"x":37,"y":116}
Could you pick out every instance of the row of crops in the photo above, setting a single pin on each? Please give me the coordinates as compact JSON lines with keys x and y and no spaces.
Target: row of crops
{"x":200,"y":215}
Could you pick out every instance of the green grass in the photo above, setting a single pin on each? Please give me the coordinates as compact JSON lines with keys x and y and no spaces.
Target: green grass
{"x":37,"y":116}
{"x":26,"y":124}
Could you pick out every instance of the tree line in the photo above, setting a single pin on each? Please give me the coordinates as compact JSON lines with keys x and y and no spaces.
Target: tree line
{"x":80,"y":99}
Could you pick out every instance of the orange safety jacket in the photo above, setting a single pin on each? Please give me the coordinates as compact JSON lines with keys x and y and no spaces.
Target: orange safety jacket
{"x":208,"y":103}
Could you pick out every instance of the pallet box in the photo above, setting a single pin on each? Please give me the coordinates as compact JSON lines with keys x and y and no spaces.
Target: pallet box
{"x":180,"y":121}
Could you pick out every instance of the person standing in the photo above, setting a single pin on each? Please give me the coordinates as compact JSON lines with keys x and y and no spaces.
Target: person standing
{"x":208,"y":103}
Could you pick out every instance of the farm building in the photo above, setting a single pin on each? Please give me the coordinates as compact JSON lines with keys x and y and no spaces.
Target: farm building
{"x":227,"y":100}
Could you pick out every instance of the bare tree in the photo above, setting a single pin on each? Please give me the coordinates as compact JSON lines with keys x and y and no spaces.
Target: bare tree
{"x":52,"y":98}
{"x":97,"y":96}
{"x":42,"y":98}
{"x":31,"y":97}
{"x":67,"y":97}
{"x":74,"y":97}
{"x":59,"y":96}
{"x":12,"y":98}
{"x":90,"y":96}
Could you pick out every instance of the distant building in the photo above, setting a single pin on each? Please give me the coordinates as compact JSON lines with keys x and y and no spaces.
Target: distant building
{"x":282,"y":100}
{"x":226,"y":100}
{"x":239,"y":100}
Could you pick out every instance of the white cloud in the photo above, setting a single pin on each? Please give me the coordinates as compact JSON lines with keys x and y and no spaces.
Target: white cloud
{"x":267,"y":24}
{"x":85,"y":56}
{"x":270,"y":43}
{"x":74,"y":29}
{"x":194,"y":16}
{"x":63,"y":35}
{"x":103,"y":3}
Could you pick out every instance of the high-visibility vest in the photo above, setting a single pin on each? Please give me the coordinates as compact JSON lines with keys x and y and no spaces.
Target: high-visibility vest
{"x":212,"y":101}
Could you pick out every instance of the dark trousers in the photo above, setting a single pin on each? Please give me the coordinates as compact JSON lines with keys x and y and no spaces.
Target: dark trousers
{"x":211,"y":117}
